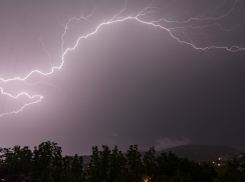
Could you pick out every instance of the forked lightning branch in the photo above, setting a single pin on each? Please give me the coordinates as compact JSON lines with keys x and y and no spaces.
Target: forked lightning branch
{"x":179,"y":26}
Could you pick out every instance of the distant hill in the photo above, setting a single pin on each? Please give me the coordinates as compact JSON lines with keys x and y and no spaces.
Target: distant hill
{"x":201,"y":153}
{"x":198,"y":153}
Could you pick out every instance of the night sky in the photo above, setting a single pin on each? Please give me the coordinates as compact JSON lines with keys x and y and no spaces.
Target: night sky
{"x":130,"y":82}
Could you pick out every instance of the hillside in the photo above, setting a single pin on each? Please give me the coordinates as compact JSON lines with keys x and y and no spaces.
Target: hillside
{"x":197,"y":153}
{"x":200,"y":153}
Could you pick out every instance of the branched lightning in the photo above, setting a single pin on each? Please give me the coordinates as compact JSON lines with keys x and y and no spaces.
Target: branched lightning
{"x":39,"y":98}
{"x":176,"y":26}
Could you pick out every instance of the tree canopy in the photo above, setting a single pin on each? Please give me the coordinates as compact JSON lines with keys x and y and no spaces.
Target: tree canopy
{"x":46,"y":164}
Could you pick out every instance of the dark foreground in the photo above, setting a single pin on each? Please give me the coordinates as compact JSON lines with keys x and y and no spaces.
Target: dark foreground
{"x":46,"y":164}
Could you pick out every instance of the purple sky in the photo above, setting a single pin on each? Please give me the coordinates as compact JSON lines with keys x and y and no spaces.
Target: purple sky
{"x":129,"y":83}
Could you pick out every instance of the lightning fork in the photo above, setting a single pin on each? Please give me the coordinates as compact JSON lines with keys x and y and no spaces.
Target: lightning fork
{"x":118,"y":18}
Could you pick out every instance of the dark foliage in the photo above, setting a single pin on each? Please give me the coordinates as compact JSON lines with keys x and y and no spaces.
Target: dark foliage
{"x":46,"y":164}
{"x":234,"y":171}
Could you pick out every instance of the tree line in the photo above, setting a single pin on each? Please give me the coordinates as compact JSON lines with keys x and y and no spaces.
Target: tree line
{"x":46,"y":164}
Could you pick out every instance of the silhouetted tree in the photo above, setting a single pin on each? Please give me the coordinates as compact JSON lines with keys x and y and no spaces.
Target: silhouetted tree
{"x":234,"y":171}
{"x":15,"y":163}
{"x":77,"y":169}
{"x":47,"y":162}
{"x":150,"y":163}
{"x":134,"y":164}
{"x":167,"y":166}
{"x":117,"y":170}
{"x":94,"y":169}
{"x":67,"y":168}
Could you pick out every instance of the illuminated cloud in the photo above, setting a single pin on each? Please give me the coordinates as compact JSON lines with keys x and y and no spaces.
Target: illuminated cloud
{"x":164,"y":143}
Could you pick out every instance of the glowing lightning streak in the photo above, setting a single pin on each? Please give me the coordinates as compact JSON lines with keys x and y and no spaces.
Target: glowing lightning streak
{"x":116,"y":19}
{"x":16,"y":97}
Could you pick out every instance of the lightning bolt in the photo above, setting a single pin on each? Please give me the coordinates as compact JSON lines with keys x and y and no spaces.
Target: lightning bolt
{"x":175,"y":26}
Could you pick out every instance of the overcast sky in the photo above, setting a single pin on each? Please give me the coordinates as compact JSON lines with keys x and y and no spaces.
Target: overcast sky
{"x":130,"y":83}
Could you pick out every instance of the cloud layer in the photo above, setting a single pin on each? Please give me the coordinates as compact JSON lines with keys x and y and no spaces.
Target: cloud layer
{"x":164,"y":143}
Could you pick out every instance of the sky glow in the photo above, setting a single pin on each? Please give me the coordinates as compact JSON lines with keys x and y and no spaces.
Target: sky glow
{"x":171,"y":25}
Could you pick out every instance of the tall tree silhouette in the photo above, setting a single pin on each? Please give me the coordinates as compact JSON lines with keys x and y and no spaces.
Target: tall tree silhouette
{"x":150,"y":164}
{"x":134,"y":164}
{"x":117,"y":171}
